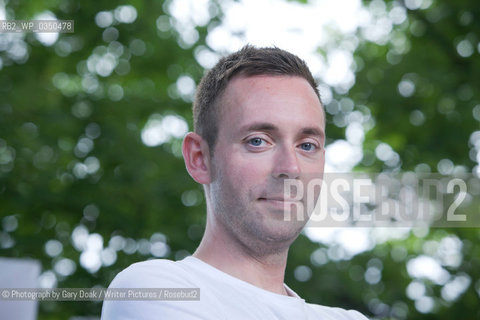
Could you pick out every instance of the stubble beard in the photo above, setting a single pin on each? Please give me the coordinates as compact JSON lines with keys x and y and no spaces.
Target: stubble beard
{"x":256,"y":232}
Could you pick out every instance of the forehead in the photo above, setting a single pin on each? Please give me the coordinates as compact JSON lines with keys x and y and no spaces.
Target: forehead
{"x":284,"y":100}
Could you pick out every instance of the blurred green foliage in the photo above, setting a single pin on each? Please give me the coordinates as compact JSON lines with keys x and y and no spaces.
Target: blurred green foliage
{"x":75,"y":174}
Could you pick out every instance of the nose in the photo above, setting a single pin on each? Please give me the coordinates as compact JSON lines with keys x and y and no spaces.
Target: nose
{"x":286,"y":164}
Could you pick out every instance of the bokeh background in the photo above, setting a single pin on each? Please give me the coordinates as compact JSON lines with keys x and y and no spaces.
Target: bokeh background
{"x":91,"y":122}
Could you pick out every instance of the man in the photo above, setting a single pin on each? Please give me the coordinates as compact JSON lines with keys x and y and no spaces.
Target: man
{"x":258,"y":122}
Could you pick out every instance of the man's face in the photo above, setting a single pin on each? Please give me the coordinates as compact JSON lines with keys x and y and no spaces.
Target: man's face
{"x":271,"y":128}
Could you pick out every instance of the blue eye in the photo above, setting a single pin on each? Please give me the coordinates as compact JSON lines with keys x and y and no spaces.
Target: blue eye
{"x":255,"y":141}
{"x":307,"y":146}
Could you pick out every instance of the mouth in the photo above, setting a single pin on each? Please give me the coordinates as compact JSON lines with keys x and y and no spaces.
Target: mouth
{"x":280,"y":205}
{"x":279,"y":200}
{"x":279,"y":197}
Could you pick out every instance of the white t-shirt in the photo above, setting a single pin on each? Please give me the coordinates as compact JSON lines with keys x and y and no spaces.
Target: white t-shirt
{"x":222,"y":296}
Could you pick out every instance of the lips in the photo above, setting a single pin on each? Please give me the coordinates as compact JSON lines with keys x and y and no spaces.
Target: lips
{"x":278,"y":198}
{"x":279,"y":204}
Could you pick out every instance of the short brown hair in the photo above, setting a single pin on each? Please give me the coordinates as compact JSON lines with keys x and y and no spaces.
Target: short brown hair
{"x":248,"y":61}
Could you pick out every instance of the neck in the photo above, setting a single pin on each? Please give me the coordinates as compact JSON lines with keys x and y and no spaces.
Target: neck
{"x":221,"y":251}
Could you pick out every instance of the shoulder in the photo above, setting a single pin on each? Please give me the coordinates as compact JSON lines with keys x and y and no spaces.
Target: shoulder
{"x":330,"y":313}
{"x":161,"y":274}
{"x":151,"y":274}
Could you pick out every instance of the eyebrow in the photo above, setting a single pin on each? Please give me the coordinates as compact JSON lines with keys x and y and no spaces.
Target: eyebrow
{"x":266,"y":126}
{"x":312,"y":131}
{"x":260,"y":126}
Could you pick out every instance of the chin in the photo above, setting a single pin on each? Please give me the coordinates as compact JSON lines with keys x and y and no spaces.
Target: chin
{"x":283,"y":232}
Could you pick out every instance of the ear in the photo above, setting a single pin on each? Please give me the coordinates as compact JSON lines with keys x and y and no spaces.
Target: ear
{"x":197,"y":158}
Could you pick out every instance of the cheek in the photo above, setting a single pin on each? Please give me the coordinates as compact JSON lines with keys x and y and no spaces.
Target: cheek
{"x":250,"y":170}
{"x":246,"y":177}
{"x":241,"y":169}
{"x":317,"y":166}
